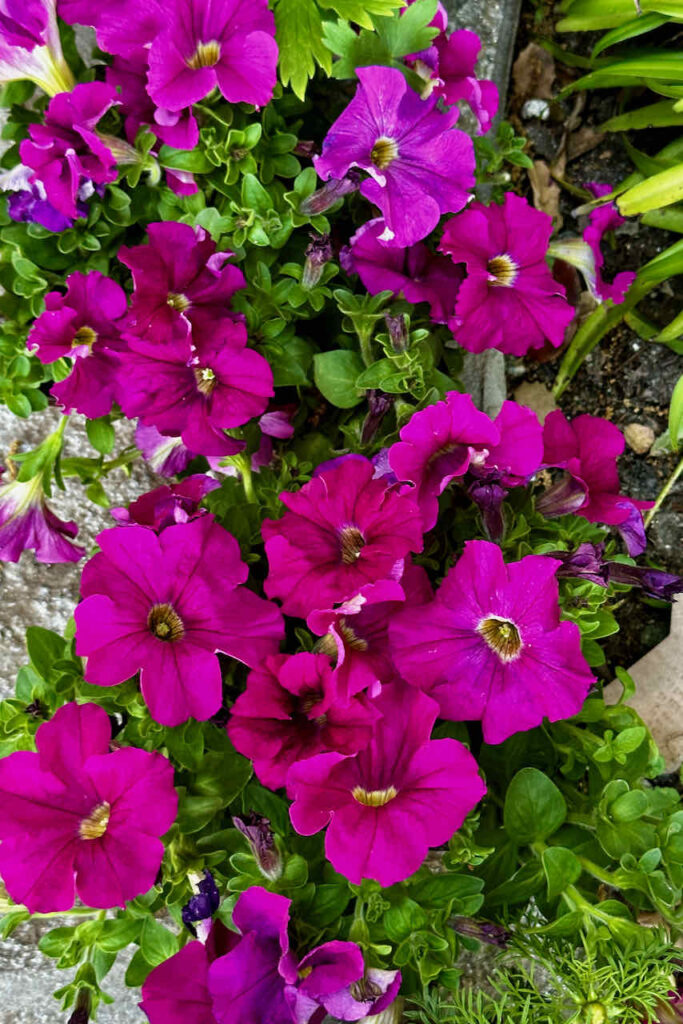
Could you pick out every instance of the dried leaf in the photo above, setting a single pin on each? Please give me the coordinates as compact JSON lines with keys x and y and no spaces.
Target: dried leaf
{"x":533,"y":74}
{"x":546,"y":191}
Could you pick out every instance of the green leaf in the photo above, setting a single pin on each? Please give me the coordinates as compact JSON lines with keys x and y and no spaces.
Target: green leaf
{"x":534,"y":807}
{"x":299,"y":33}
{"x":654,"y":115}
{"x":661,"y":189}
{"x":590,"y":15}
{"x":119,"y":933}
{"x":156,"y":942}
{"x":192,"y":160}
{"x":562,"y":868}
{"x":44,"y":649}
{"x":360,"y":11}
{"x":254,"y":195}
{"x":629,"y":807}
{"x":101,"y":435}
{"x":676,"y":413}
{"x":394,"y":38}
{"x":335,"y":377}
{"x":629,"y":30}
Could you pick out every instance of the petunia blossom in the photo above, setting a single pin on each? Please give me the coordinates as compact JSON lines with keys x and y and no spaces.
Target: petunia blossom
{"x":491,"y":645}
{"x":30,"y":47}
{"x":27,"y":521}
{"x":121,"y":26}
{"x":588,"y":449}
{"x":438,"y":444}
{"x":292,"y":709}
{"x":419,"y":165}
{"x":167,"y":506}
{"x":164,"y":605}
{"x":230,"y":45}
{"x":180,"y":280}
{"x":341,"y":531}
{"x":387,"y":805}
{"x":456,"y":77}
{"x":196,"y":387}
{"x":85,"y":325}
{"x":66,"y":151}
{"x":174,"y":128}
{"x":76,"y":818}
{"x":177,"y":990}
{"x":166,"y":455}
{"x":509,"y":299}
{"x":418,"y":273}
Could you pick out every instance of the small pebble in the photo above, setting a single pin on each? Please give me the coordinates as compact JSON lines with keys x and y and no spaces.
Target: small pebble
{"x":639,"y":437}
{"x":536,"y":108}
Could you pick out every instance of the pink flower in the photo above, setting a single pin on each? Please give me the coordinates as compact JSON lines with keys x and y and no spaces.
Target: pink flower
{"x":292,"y":709}
{"x":168,"y":506}
{"x":588,"y":449}
{"x":177,"y":991}
{"x":419,"y":166}
{"x":196,"y":387}
{"x":66,"y":150}
{"x":519,"y":453}
{"x":205,"y":45}
{"x":387,"y":805}
{"x":164,"y":605}
{"x":122,"y":26}
{"x":27,"y":521}
{"x":491,"y":646}
{"x":85,"y":325}
{"x":174,"y":128}
{"x":76,"y":817}
{"x":356,"y":632}
{"x":509,"y":299}
{"x":341,"y":531}
{"x":437,"y":445}
{"x":421,"y":275}
{"x":180,"y":281}
{"x":605,"y":218}
{"x":457,"y":60}
{"x":167,"y":456}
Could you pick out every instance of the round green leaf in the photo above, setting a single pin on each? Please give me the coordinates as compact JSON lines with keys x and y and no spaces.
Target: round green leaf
{"x":534,"y":807}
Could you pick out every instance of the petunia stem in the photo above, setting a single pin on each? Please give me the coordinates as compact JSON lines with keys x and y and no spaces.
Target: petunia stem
{"x":247,"y":479}
{"x":663,"y":494}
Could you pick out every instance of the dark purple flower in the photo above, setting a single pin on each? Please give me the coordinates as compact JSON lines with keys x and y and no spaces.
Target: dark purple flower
{"x":419,"y":166}
{"x":204,"y":903}
{"x":258,"y":833}
{"x":66,"y":150}
{"x":167,"y":506}
{"x":484,"y":931}
{"x":489,"y":498}
{"x":204,"y":45}
{"x":379,"y":405}
{"x":585,"y":563}
{"x":662,"y":585}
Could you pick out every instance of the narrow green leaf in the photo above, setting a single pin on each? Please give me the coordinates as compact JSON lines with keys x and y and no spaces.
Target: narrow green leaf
{"x":672,"y":330}
{"x":661,"y":189}
{"x":593,"y":15}
{"x":654,"y":115}
{"x":676,"y":412}
{"x":665,"y":65}
{"x":629,"y":30}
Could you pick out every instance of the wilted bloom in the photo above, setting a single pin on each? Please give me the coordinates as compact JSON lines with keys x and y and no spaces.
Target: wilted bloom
{"x":167,"y":456}
{"x":491,"y":645}
{"x":76,"y":817}
{"x":318,"y":254}
{"x":355,"y":633}
{"x":379,"y":405}
{"x":587,"y":449}
{"x":437,"y":445}
{"x":84,"y":325}
{"x":66,"y":151}
{"x":509,"y":299}
{"x":387,"y":805}
{"x":419,"y":274}
{"x":121,"y":26}
{"x":456,"y":78}
{"x":341,"y":531}
{"x":291,"y":709}
{"x":30,"y":46}
{"x":587,"y":562}
{"x":331,"y":192}
{"x":27,"y":521}
{"x":196,"y":387}
{"x":258,"y":833}
{"x":485,"y":931}
{"x":164,"y":605}
{"x":329,"y":966}
{"x":419,"y":166}
{"x":167,"y":506}
{"x":204,"y":45}
{"x":180,"y":280}
{"x":205,"y":902}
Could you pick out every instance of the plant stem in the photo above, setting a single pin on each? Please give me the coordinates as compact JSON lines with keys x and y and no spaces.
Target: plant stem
{"x":365,"y":338}
{"x":247,"y":479}
{"x":663,"y":494}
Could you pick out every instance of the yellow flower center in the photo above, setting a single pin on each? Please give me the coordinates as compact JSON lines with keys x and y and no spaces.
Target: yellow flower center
{"x":165,"y":623}
{"x":206,"y":55}
{"x":95,"y":825}
{"x":384,"y":152}
{"x":502,"y":636}
{"x":205,"y":378}
{"x":352,"y":542}
{"x":503,"y":270}
{"x":374,"y":797}
{"x":84,"y":336}
{"x":304,"y":972}
{"x":177,"y":301}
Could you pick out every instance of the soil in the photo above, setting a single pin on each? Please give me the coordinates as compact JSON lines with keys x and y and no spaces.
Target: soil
{"x":625,"y":379}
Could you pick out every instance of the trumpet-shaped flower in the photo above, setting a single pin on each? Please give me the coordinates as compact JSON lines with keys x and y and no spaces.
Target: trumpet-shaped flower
{"x":491,"y":645}
{"x":75,"y":817}
{"x":387,"y":805}
{"x":341,"y":531}
{"x":164,"y":605}
{"x":30,"y":46}
{"x":419,"y":166}
{"x":121,"y":26}
{"x":27,"y":521}
{"x":168,"y":506}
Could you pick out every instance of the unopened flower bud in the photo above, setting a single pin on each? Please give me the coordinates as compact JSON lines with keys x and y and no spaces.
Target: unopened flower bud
{"x":397,"y":327}
{"x":334,"y":189}
{"x":318,"y":253}
{"x":259,"y":835}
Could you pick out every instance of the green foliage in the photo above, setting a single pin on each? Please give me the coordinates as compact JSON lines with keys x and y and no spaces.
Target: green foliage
{"x":394,"y":37}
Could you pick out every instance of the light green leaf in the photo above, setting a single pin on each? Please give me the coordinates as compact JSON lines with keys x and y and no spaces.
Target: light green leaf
{"x":562,"y":868}
{"x":676,"y":413}
{"x":299,"y":33}
{"x":631,"y":29}
{"x":335,"y":377}
{"x":360,"y":11}
{"x":101,"y":435}
{"x":661,"y":189}
{"x":592,"y":15}
{"x":654,"y":115}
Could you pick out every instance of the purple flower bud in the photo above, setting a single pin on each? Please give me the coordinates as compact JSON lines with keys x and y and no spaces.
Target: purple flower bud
{"x":489,"y":497}
{"x":397,"y":327}
{"x":484,"y":931}
{"x":318,"y":253}
{"x":585,"y":563}
{"x":203,"y":904}
{"x":305,"y":147}
{"x":327,"y":196}
{"x":564,"y":497}
{"x":258,"y":833}
{"x":81,"y":1014}
{"x":379,"y":405}
{"x":662,"y":585}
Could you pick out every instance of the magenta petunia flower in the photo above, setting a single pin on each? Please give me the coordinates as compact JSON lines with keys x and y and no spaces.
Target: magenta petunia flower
{"x":387,"y":805}
{"x":605,"y":218}
{"x":66,"y":150}
{"x":180,"y":280}
{"x":437,"y":445}
{"x":174,"y":128}
{"x":230,"y":45}
{"x":509,"y":299}
{"x":457,"y":59}
{"x":419,"y":166}
{"x":519,"y":453}
{"x":30,"y":46}
{"x":196,"y":387}
{"x":588,"y":449}
{"x":167,"y":456}
{"x":355,"y":633}
{"x":291,"y":709}
{"x":84,"y":325}
{"x":164,"y":605}
{"x":76,"y":818}
{"x":168,"y":506}
{"x":331,"y":965}
{"x":121,"y":26}
{"x":491,"y":645}
{"x":27,"y":521}
{"x":341,"y":531}
{"x":421,"y":275}
{"x":177,"y":990}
